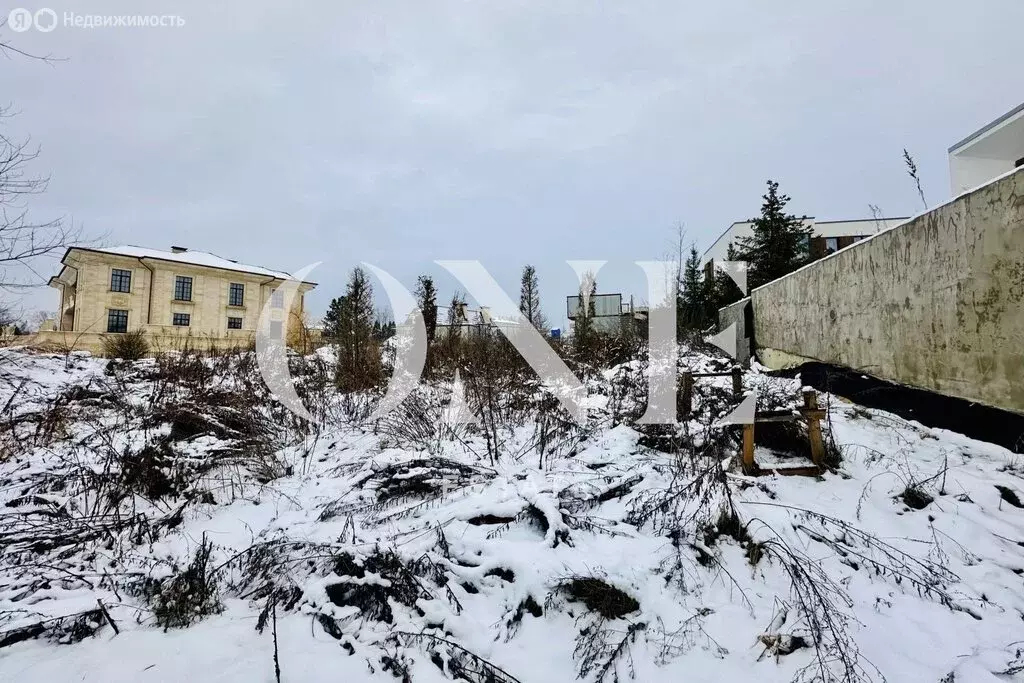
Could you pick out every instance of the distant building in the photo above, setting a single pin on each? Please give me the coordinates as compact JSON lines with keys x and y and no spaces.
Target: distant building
{"x":988,"y":152}
{"x":610,"y":313}
{"x":465,"y":322}
{"x":829,"y":236}
{"x":168,"y":295}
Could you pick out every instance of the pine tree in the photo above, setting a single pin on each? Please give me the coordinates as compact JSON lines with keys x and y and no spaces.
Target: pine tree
{"x":583,"y":332}
{"x":779,"y":242}
{"x":693,"y":294}
{"x":357,"y":352}
{"x":383,"y":327}
{"x":529,"y":299}
{"x":426,"y":299}
{"x":332,"y":319}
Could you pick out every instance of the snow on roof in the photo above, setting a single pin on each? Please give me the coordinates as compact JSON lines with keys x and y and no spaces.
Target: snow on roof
{"x":196,"y":258}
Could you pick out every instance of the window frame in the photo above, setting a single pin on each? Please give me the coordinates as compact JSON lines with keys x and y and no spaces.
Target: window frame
{"x":239,"y":288}
{"x":180,"y":282}
{"x":234,"y":317}
{"x":831,"y":245}
{"x":123,"y":277}
{"x":175,"y":317}
{"x":111,"y":313}
{"x":277,"y":298}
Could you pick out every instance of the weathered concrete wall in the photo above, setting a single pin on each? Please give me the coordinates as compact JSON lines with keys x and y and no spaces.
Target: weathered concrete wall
{"x":737,"y":314}
{"x":937,"y":303}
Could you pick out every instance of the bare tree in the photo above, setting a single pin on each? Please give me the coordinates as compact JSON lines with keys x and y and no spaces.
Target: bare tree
{"x":10,"y":51}
{"x":23,"y":240}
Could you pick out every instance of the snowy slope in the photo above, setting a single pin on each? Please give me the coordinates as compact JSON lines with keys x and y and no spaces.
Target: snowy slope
{"x":394,"y":553}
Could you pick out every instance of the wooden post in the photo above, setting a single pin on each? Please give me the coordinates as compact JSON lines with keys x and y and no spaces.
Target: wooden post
{"x":737,"y":382}
{"x":748,"y":449}
{"x":687,"y":393}
{"x":814,"y":427}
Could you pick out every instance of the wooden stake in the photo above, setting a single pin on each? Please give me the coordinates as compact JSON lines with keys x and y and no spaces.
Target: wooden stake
{"x":737,"y":382}
{"x":814,"y":427}
{"x":748,"y":449}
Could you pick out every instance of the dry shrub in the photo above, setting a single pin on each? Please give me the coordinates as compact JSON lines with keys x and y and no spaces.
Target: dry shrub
{"x":128,"y":346}
{"x":599,"y":596}
{"x":146,"y":472}
{"x":186,"y":596}
{"x":373,"y":598}
{"x":916,"y":498}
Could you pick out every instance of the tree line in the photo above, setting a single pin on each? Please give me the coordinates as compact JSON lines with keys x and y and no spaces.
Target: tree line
{"x":778,"y":244}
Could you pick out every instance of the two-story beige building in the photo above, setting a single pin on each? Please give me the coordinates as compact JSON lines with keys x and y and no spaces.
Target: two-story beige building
{"x":172,"y":296}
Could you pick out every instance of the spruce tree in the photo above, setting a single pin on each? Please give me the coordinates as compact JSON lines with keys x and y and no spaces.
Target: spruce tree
{"x":583,"y":332}
{"x":529,"y":299}
{"x":779,"y":242}
{"x":332,"y":319}
{"x":693,"y":294}
{"x":357,"y":352}
{"x":426,"y":299}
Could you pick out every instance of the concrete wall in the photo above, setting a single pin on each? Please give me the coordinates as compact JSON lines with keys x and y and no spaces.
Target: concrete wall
{"x":937,"y":303}
{"x":737,"y":314}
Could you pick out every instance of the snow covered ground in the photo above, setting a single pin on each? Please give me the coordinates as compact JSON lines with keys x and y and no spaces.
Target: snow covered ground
{"x":398,"y":552}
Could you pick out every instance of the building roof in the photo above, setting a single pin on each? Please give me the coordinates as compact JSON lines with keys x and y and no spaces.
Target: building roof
{"x":986,"y":128}
{"x":195,"y":258}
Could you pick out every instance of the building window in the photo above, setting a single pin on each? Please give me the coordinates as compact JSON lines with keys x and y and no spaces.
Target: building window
{"x":181,"y":319}
{"x":234,"y":323}
{"x":831,"y":245}
{"x":117,"y":320}
{"x":120,"y":280}
{"x":236,"y":294}
{"x":277,"y":298}
{"x":182,"y":288}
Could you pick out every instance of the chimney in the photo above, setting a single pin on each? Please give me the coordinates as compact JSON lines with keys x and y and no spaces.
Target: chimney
{"x":178,"y":250}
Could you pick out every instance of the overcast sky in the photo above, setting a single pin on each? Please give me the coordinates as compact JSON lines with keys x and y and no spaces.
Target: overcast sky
{"x":509,"y":131}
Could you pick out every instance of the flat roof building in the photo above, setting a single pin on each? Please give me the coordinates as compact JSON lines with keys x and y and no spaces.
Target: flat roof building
{"x":987,"y":153}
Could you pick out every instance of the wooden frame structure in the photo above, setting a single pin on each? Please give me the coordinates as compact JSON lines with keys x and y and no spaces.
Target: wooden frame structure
{"x":809,"y":413}
{"x":688,"y":378}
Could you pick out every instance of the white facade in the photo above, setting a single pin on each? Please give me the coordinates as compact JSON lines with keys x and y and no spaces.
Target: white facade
{"x":827,"y":229}
{"x":987,"y":153}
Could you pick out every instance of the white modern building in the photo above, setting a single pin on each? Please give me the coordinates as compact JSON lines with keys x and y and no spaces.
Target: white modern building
{"x":829,"y":236}
{"x":988,"y":152}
